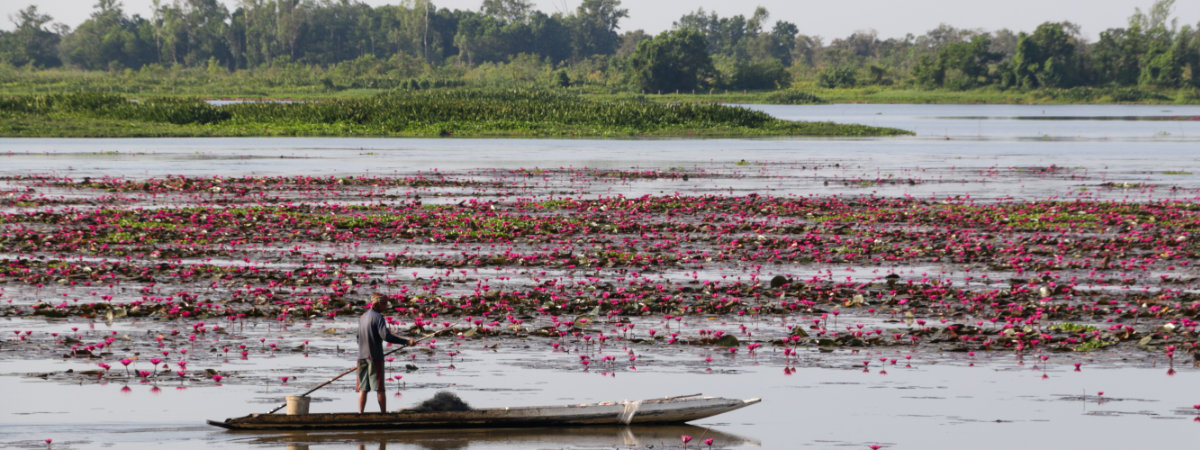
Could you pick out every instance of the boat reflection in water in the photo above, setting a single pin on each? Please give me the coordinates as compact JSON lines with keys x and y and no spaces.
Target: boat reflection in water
{"x":659,"y":436}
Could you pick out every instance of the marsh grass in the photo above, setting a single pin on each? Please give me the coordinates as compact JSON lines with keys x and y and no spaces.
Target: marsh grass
{"x":424,"y":113}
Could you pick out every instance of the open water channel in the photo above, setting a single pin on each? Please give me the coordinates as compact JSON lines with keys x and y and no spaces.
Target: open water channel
{"x":926,"y":400}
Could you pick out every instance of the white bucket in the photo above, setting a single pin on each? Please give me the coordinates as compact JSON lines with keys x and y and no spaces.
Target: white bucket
{"x":297,"y":405}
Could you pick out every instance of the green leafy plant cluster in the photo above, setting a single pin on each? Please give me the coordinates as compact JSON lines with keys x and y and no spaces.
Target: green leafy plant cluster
{"x":793,"y":97}
{"x":97,"y":104}
{"x":513,"y":106}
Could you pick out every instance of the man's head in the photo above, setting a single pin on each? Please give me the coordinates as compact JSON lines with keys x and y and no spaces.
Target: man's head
{"x":379,"y":303}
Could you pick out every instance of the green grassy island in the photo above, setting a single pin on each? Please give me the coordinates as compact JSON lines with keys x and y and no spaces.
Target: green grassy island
{"x":402,"y":113}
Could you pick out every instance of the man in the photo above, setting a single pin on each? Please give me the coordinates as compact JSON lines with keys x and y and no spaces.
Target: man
{"x":372,"y":332}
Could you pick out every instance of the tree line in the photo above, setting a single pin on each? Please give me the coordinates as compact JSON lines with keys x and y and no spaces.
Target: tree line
{"x":510,"y":40}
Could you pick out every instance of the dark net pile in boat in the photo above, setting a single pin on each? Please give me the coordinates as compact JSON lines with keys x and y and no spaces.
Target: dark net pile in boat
{"x":442,"y":401}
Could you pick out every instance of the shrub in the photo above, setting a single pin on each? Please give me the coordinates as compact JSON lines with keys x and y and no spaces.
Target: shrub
{"x":836,"y":77}
{"x":793,"y":97}
{"x":760,"y":75}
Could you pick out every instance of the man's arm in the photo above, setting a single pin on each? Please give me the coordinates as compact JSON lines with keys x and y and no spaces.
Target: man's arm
{"x":389,"y":337}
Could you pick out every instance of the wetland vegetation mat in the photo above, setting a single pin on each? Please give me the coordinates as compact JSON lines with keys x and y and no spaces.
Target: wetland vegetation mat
{"x":444,"y":113}
{"x":502,"y":254}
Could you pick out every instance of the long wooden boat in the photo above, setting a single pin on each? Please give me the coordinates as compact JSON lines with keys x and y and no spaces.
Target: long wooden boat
{"x":669,"y":410}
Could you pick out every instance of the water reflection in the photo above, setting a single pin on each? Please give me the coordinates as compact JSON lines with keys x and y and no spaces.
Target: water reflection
{"x":568,"y":437}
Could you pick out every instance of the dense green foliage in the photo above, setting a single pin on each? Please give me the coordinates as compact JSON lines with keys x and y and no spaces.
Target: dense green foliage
{"x":792,"y":97}
{"x":346,"y":45}
{"x":455,"y":112}
{"x":31,"y":43}
{"x":672,"y":61}
{"x":177,"y":111}
{"x":958,"y":65}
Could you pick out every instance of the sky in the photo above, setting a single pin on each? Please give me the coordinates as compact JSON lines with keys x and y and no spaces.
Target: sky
{"x":830,"y":19}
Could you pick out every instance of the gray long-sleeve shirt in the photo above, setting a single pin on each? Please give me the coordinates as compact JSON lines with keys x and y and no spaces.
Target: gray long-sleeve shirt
{"x":372,"y":331}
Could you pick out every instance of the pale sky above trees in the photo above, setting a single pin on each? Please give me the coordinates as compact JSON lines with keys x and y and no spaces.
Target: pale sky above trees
{"x":829,"y":19}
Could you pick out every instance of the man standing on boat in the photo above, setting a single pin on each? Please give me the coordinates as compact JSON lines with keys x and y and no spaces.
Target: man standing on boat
{"x":372,"y":332}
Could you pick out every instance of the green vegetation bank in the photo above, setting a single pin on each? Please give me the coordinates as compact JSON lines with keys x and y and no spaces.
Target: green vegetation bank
{"x":416,"y":113}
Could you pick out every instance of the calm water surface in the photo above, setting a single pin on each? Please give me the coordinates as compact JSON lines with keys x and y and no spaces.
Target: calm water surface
{"x":943,"y":401}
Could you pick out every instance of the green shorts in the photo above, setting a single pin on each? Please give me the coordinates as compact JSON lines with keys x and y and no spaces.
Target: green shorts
{"x":370,"y":376}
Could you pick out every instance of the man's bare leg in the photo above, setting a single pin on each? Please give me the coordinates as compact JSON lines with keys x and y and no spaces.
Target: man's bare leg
{"x":362,"y":401}
{"x":382,"y":402}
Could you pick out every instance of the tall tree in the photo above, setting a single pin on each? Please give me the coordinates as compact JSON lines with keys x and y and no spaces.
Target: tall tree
{"x":507,"y":11}
{"x":673,"y":60}
{"x":550,"y":37}
{"x":109,"y":39}
{"x":289,"y":24}
{"x":758,"y":20}
{"x":853,"y":51}
{"x":726,"y":36}
{"x":1167,"y":51}
{"x":1046,"y":58}
{"x":805,"y":50}
{"x":479,"y":39}
{"x":1165,"y":67}
{"x":783,"y":41}
{"x":252,"y":33}
{"x":707,"y":24}
{"x":595,"y":27}
{"x":1116,"y":57}
{"x":958,"y":65}
{"x":30,"y":43}
{"x":629,"y":42}
{"x":334,"y":33}
{"x":208,"y":23}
